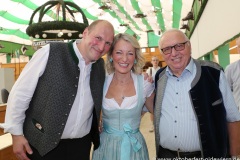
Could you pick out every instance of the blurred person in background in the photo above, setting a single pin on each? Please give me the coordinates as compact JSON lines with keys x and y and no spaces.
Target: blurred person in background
{"x":151,"y":71}
{"x":232,"y":72}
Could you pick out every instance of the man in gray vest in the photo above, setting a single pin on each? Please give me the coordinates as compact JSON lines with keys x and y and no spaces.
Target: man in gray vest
{"x":195,"y":115}
{"x":54,"y":107}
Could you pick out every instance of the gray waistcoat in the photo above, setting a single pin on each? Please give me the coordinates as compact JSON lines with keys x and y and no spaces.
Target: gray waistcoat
{"x":54,"y":95}
{"x":211,"y":116}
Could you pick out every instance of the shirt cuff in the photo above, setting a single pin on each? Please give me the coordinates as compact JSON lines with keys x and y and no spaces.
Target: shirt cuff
{"x":13,"y":129}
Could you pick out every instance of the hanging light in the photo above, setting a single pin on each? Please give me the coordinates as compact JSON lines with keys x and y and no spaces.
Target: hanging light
{"x":62,"y":25}
{"x":189,"y":16}
{"x":44,"y":35}
{"x":36,"y":36}
{"x":59,"y":34}
{"x":69,"y":34}
{"x":185,"y":26}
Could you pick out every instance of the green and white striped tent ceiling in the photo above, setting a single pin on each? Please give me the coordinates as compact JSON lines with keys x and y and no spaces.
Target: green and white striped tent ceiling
{"x":160,"y":15}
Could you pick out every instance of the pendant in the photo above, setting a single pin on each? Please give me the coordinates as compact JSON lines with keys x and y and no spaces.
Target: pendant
{"x":123,"y":97}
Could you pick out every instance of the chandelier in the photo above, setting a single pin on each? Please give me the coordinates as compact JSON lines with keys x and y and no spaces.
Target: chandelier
{"x":64,"y":24}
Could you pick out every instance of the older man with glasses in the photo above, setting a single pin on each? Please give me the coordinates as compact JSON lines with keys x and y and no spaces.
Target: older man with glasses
{"x":195,"y":115}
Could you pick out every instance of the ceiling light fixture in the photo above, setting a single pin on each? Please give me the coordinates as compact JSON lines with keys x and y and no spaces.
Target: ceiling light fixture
{"x":150,"y":30}
{"x":62,"y":26}
{"x":124,"y":24}
{"x":185,"y":26}
{"x":139,"y":15}
{"x":189,"y":16}
{"x":105,"y":7}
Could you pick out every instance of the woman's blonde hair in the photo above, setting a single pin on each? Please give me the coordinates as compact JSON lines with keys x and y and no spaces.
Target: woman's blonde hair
{"x":137,"y":67}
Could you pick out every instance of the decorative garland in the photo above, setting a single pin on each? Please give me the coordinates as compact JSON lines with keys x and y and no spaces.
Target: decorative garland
{"x":36,"y":30}
{"x":39,"y":28}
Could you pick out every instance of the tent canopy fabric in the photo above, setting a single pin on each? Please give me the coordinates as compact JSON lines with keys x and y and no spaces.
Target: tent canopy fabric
{"x":158,"y":16}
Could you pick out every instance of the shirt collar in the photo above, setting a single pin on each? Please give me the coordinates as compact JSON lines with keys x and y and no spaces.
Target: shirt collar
{"x":189,"y":68}
{"x":78,"y":53}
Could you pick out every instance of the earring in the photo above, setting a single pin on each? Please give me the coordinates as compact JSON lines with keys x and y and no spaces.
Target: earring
{"x":111,"y":60}
{"x":135,"y":61}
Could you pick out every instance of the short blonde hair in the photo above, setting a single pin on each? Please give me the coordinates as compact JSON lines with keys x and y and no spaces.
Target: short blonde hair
{"x":137,"y":67}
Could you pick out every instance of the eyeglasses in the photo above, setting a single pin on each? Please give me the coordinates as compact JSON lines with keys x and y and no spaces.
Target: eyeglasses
{"x":177,"y":47}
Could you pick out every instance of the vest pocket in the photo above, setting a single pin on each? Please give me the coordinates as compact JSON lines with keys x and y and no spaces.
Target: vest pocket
{"x":37,"y":125}
{"x":217,"y":102}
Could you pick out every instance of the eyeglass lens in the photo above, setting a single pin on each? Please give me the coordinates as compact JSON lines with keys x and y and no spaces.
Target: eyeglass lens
{"x":177,"y":47}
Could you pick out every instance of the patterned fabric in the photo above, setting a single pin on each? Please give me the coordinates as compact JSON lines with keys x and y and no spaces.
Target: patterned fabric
{"x":54,"y":95}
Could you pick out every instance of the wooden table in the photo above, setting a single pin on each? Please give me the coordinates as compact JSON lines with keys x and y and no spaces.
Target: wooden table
{"x":2,"y":115}
{"x":6,"y":150}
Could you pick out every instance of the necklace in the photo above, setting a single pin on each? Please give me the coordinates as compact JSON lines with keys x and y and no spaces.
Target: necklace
{"x":123,"y":85}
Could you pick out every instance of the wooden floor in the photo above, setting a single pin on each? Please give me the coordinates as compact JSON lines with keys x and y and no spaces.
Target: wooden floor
{"x":149,"y":136}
